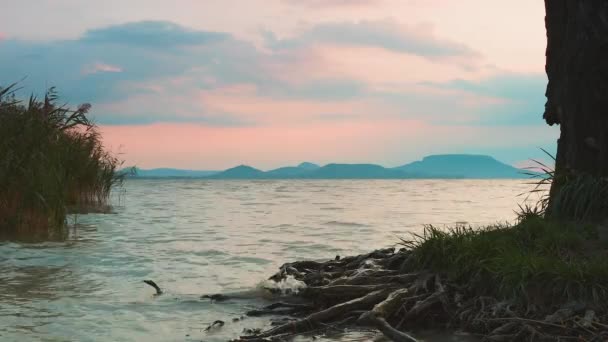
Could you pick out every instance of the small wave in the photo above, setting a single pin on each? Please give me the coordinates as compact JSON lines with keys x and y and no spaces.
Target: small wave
{"x":284,"y":225}
{"x":257,"y":203}
{"x":345,"y":224}
{"x":210,"y":252}
{"x":287,"y":286}
{"x":237,"y":260}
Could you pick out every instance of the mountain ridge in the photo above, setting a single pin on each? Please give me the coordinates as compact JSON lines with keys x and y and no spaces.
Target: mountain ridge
{"x":459,"y":165}
{"x":440,"y":166}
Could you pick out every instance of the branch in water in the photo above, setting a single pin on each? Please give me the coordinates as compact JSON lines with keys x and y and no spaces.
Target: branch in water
{"x":153,"y":284}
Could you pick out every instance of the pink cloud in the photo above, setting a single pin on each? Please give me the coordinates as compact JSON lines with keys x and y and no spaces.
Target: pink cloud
{"x":2,"y":36}
{"x":518,"y":47}
{"x":372,"y":66}
{"x":179,"y":99}
{"x":100,"y":67}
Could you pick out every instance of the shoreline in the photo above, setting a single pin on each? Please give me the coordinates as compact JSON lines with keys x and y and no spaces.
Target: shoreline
{"x":388,"y":290}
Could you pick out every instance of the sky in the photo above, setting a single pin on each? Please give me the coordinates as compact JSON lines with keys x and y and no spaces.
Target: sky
{"x":210,"y":84}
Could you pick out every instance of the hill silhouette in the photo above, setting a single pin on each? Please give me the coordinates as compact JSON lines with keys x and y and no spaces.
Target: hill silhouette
{"x":462,"y":166}
{"x":450,"y":166}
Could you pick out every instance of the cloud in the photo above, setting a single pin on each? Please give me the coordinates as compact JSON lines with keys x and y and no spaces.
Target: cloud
{"x":385,"y":34}
{"x":522,"y":95}
{"x":87,"y":69}
{"x":218,"y":80}
{"x":100,"y":67}
{"x":152,"y":33}
{"x":507,"y":85}
{"x":123,"y":70}
{"x":331,"y":81}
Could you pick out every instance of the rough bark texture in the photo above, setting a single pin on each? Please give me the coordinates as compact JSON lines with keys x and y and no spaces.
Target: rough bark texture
{"x":577,"y":92}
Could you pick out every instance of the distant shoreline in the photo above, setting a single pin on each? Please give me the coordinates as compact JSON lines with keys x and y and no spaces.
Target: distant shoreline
{"x":447,"y":166}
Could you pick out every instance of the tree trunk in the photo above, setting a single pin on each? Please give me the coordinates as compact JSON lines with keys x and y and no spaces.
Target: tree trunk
{"x":577,"y":92}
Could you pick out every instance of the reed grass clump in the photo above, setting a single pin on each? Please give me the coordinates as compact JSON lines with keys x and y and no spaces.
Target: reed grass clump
{"x":52,"y":161}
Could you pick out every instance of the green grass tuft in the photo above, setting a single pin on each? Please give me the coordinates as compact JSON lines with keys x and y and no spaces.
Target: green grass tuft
{"x":581,"y":197}
{"x":536,"y":260}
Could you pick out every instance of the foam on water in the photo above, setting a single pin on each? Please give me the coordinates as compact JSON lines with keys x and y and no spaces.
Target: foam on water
{"x":287,"y":286}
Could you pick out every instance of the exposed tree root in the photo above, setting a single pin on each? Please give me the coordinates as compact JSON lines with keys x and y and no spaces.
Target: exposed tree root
{"x":328,"y":315}
{"x":379,"y":289}
{"x":287,"y":309}
{"x":377,"y":316}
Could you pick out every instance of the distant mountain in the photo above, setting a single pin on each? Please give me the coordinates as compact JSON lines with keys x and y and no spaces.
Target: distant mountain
{"x":462,"y":166}
{"x":239,"y":172}
{"x":292,"y":171}
{"x":170,"y":173}
{"x":436,"y":166}
{"x":311,"y":171}
{"x":355,"y":171}
{"x":308,"y":166}
{"x":286,"y":172}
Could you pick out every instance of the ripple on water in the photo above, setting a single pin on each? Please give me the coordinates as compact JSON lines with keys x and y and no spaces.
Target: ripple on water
{"x":210,"y":253}
{"x":247,"y":260}
{"x":258,"y":204}
{"x":345,"y":224}
{"x":331,"y":208}
{"x":195,"y":237}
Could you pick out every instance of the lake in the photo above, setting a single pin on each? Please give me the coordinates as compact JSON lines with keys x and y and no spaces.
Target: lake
{"x":197,"y":237}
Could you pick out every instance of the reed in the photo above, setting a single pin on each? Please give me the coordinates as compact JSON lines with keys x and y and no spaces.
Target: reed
{"x":52,"y":161}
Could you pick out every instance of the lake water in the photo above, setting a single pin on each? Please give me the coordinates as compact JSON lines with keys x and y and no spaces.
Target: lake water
{"x":197,"y":237}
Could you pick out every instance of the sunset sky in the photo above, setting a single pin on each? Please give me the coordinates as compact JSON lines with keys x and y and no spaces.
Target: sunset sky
{"x":209,"y":84}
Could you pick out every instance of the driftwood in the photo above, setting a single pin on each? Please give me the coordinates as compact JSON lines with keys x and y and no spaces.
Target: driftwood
{"x":215,"y":324}
{"x":156,"y":287}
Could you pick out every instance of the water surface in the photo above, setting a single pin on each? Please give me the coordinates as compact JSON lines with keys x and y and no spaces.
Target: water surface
{"x":196,"y":237}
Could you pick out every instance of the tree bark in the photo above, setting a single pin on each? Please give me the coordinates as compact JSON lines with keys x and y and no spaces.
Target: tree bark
{"x":577,"y":92}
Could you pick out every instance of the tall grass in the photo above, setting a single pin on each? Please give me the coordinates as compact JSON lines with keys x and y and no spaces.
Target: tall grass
{"x":574,"y":196}
{"x":543,"y":176}
{"x":580,"y":197}
{"x":51,"y":161}
{"x":537,"y":261}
